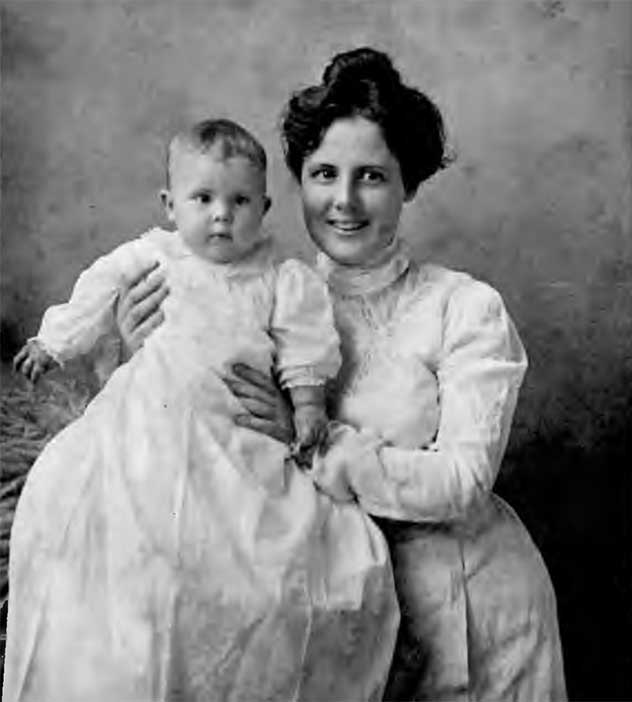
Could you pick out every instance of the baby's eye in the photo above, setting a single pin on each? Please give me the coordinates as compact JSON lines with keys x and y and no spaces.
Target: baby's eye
{"x":241,"y":200}
{"x":202,"y":198}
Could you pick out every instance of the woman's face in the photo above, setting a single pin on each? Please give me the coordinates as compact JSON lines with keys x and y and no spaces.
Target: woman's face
{"x":352,"y":192}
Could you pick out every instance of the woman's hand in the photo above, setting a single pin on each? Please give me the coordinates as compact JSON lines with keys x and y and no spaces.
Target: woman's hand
{"x":329,"y":465}
{"x":269,"y":411}
{"x":138,"y":311}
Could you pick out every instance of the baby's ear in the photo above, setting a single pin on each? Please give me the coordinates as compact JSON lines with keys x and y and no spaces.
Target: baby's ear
{"x":267,"y":203}
{"x":167,"y":202}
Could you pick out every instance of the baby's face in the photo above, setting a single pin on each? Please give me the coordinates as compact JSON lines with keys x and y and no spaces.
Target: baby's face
{"x":216,"y":203}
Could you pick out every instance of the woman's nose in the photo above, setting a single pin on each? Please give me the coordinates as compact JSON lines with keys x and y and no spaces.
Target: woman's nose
{"x":345,"y":196}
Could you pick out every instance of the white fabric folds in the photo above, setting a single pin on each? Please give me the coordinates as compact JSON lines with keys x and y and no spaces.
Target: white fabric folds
{"x":161,"y":553}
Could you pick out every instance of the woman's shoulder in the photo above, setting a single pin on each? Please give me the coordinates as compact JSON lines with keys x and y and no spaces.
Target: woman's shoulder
{"x":457,"y":293}
{"x":448,"y":283}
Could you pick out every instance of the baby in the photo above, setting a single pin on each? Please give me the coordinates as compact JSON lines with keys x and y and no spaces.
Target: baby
{"x":216,"y":197}
{"x":159,"y":551}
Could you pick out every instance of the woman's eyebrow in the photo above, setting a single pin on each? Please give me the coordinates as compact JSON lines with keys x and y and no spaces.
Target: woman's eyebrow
{"x":315,"y":165}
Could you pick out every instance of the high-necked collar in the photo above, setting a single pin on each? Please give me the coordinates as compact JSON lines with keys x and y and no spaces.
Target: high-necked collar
{"x":361,"y":280}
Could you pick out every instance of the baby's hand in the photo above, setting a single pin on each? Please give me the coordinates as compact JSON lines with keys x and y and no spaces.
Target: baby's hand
{"x":32,"y":360}
{"x":310,"y":425}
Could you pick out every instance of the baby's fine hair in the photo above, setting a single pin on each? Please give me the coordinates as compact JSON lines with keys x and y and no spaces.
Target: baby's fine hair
{"x":231,"y":138}
{"x":364,"y":83}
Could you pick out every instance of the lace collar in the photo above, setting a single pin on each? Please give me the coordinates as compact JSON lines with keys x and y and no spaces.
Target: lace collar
{"x":361,"y":280}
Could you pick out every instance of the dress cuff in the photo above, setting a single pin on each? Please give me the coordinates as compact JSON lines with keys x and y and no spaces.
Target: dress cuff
{"x":300,"y":375}
{"x":55,"y":355}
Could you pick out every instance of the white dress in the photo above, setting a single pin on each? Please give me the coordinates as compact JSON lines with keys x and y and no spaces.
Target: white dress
{"x":432,"y":366}
{"x":158,"y":551}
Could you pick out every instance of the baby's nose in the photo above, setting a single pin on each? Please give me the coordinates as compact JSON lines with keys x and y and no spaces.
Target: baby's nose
{"x":221,"y":211}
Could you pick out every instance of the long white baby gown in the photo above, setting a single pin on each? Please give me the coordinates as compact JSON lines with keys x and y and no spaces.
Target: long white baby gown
{"x":159,"y":552}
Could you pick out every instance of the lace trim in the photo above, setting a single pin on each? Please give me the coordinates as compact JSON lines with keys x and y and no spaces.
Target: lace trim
{"x":360,"y":280}
{"x":368,"y":324}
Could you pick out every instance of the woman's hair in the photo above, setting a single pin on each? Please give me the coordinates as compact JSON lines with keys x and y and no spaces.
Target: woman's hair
{"x":230,"y":137}
{"x":364,"y":83}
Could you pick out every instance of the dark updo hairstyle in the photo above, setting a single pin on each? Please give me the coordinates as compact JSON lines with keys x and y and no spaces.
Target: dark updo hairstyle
{"x":364,"y":83}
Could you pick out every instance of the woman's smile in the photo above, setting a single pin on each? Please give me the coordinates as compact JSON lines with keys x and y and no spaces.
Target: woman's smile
{"x":348,"y":227}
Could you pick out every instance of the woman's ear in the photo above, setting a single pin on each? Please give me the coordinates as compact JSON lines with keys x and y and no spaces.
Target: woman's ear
{"x":167,"y":202}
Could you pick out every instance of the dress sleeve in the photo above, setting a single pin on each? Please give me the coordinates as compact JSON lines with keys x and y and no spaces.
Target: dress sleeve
{"x":76,"y":327}
{"x":479,"y":374}
{"x":302,"y":326}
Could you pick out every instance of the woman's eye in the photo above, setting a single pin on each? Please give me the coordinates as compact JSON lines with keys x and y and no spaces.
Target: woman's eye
{"x":323,"y":174}
{"x":373,"y":177}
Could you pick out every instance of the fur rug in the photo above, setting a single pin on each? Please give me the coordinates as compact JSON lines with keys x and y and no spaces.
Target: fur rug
{"x":29,"y":417}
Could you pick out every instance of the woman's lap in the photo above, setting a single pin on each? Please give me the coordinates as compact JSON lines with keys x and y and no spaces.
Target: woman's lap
{"x":478,"y":612}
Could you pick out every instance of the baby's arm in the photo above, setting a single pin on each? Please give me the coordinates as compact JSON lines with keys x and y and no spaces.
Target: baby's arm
{"x":74,"y":328}
{"x":307,"y":351}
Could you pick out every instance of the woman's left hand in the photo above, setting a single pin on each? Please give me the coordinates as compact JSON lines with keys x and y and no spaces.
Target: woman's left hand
{"x":269,"y":411}
{"x":329,"y":465}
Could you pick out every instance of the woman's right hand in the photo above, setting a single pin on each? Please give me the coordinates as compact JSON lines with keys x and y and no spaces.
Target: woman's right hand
{"x":268,"y":409}
{"x":138,"y":311}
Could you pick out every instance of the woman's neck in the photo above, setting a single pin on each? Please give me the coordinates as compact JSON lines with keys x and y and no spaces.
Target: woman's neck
{"x":364,"y":278}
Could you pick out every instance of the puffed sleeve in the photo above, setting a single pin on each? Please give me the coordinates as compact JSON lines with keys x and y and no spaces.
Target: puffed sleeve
{"x":479,"y":374}
{"x":302,"y":327}
{"x":76,"y":327}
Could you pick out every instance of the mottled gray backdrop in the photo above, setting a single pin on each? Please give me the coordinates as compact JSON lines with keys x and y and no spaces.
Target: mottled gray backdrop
{"x":537,"y":97}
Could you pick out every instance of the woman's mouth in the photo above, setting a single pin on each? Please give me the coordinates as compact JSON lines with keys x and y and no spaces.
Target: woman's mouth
{"x":347,"y":226}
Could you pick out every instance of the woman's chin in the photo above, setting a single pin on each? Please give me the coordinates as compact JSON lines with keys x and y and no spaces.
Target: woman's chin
{"x":345,"y":258}
{"x":346,"y":251}
{"x":350,"y":255}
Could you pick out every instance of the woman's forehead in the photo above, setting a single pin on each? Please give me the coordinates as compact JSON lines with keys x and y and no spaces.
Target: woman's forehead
{"x":353,"y":140}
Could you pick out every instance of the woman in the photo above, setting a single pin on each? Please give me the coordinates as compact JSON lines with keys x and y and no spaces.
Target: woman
{"x":424,"y":402}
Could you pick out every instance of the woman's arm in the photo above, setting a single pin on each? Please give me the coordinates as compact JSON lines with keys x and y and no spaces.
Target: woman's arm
{"x":479,"y":374}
